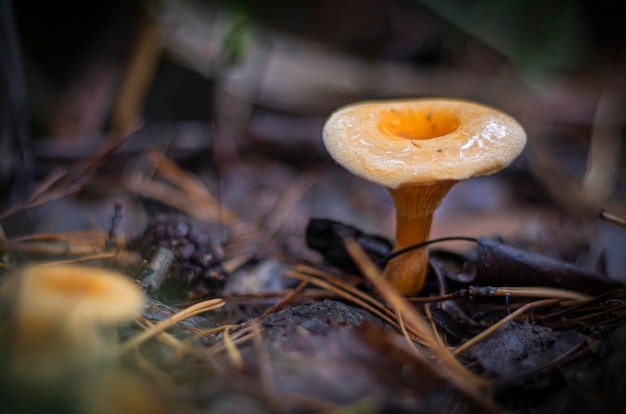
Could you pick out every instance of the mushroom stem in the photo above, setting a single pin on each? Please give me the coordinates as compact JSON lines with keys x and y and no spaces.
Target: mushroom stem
{"x":418,"y":149}
{"x":415,"y":206}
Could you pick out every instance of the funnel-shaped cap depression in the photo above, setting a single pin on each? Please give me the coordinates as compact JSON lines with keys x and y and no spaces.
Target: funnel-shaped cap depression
{"x":421,"y":141}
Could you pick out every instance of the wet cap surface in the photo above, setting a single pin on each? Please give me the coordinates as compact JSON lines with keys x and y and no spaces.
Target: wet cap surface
{"x":421,"y":141}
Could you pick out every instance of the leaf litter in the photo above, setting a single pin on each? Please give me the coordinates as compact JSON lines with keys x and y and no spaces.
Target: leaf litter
{"x":498,"y":326}
{"x":341,"y":337}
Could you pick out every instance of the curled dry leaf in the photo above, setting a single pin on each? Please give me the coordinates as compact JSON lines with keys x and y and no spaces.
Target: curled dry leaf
{"x":495,"y":263}
{"x":498,"y":264}
{"x":326,"y":237}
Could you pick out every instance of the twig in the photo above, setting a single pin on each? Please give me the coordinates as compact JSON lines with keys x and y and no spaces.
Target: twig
{"x":529,"y":292}
{"x":155,"y":271}
{"x":115,"y":222}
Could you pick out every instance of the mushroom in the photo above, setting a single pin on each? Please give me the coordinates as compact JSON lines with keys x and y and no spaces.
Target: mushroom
{"x":121,"y":391}
{"x":418,"y":149}
{"x":56,"y":311}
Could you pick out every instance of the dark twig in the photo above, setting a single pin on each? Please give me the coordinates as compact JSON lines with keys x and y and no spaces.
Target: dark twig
{"x":115,"y":223}
{"x":406,"y":249}
{"x":155,"y":271}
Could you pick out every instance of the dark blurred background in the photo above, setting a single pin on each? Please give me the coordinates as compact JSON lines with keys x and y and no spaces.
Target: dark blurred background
{"x":217,"y":85}
{"x":550,"y":63}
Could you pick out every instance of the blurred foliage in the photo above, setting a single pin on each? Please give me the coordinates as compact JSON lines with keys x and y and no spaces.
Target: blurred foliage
{"x":539,"y":37}
{"x":233,"y":45}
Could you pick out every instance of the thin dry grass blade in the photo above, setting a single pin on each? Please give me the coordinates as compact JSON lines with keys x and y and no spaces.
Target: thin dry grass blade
{"x":287,"y":203}
{"x":216,"y":330}
{"x":250,"y":240}
{"x":433,"y":328}
{"x":81,"y":173}
{"x":617,"y":293}
{"x":155,"y":372}
{"x":53,"y":178}
{"x":34,"y":199}
{"x":52,"y":249}
{"x":232,"y":351}
{"x":196,"y":309}
{"x":62,"y":183}
{"x":535,"y":292}
{"x":244,"y":334}
{"x":164,"y":337}
{"x":88,"y":258}
{"x":191,"y":186}
{"x":176,"y":198}
{"x":76,"y":237}
{"x":264,"y":360}
{"x":411,"y":343}
{"x":589,"y":316}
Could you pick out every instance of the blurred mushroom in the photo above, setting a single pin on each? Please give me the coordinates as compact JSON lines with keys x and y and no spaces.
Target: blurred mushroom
{"x":56,"y":312}
{"x":119,"y":391}
{"x":418,"y":149}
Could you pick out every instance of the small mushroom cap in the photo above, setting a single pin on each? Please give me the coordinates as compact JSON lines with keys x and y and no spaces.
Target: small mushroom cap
{"x":73,"y":294}
{"x":397,"y":143}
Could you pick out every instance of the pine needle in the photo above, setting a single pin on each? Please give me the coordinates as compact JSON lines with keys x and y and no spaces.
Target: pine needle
{"x":232,"y":351}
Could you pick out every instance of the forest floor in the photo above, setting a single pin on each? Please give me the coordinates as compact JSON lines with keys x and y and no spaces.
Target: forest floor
{"x":223,"y":168}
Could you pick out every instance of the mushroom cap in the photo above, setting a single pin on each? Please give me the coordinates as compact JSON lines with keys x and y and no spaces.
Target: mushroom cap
{"x":73,"y":294}
{"x":398,"y":143}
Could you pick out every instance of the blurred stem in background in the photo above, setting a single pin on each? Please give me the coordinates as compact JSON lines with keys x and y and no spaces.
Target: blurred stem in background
{"x":14,"y":159}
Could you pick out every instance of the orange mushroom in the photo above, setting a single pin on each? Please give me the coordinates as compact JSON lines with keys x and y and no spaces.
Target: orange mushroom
{"x":56,"y":313}
{"x":418,"y":149}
